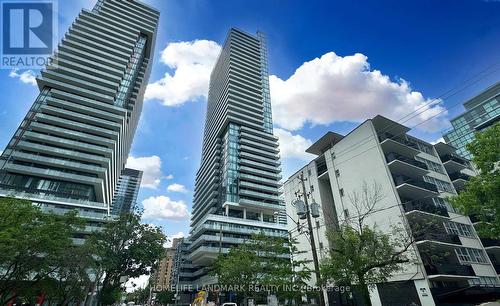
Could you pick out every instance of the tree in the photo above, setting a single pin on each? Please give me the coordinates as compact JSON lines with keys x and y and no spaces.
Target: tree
{"x":125,"y":247}
{"x":33,"y":245}
{"x":481,"y":195}
{"x":165,"y":297}
{"x":362,"y":254}
{"x":266,"y":261}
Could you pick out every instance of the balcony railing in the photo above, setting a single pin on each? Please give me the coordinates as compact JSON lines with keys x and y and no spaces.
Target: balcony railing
{"x":459,"y":176}
{"x":401,"y":179}
{"x":441,"y":236}
{"x":449,"y":269}
{"x":426,"y":207}
{"x":455,"y":158}
{"x":394,"y":156}
{"x":400,"y":140}
{"x":490,"y":242}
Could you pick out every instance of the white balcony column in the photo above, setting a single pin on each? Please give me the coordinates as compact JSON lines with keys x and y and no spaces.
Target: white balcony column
{"x":227,"y":210}
{"x":261,"y":216}
{"x":244,"y":213}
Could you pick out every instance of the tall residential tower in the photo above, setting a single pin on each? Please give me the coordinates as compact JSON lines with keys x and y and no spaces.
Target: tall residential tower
{"x":236,"y":188}
{"x":126,"y":193}
{"x":72,"y":145}
{"x":481,"y":112}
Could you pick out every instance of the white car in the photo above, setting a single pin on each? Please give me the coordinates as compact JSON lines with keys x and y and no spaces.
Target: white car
{"x":229,"y":304}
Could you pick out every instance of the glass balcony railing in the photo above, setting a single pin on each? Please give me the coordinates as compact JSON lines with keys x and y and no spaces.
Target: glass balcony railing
{"x":400,"y":180}
{"x":459,"y":176}
{"x":449,"y":269}
{"x":455,"y":158}
{"x":425,"y":207}
{"x":400,"y":140}
{"x":490,"y":242}
{"x":440,"y":236}
{"x":394,"y":156}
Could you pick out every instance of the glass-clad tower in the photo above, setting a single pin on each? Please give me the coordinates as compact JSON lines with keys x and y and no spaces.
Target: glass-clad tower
{"x":237,"y":185}
{"x":481,"y":112}
{"x":71,"y":147}
{"x":125,"y":197}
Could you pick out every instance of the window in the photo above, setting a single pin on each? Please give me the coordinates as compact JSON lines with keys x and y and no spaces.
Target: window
{"x":321,"y":245}
{"x":441,"y":185}
{"x":346,"y":213}
{"x":463,"y":255}
{"x":341,"y":190}
{"x":458,"y":229}
{"x":484,"y":281}
{"x":468,"y":255}
{"x":337,"y":172}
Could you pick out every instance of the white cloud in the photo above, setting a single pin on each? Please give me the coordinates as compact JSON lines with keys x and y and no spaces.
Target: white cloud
{"x":293,"y":146}
{"x":441,"y":139}
{"x":170,"y":238}
{"x":333,"y":88}
{"x":169,"y":177}
{"x":27,"y":76}
{"x":137,"y":283}
{"x":177,"y":188}
{"x":163,"y":208}
{"x":192,"y":63}
{"x":151,"y":168}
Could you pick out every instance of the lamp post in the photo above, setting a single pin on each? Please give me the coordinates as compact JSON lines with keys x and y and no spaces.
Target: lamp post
{"x":306,"y":212}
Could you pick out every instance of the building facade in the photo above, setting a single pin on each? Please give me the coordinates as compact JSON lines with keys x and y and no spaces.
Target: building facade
{"x":459,"y":172}
{"x":413,"y":181}
{"x":163,"y":277}
{"x":125,"y":197}
{"x":481,"y":112}
{"x":70,"y":149}
{"x":237,"y":185}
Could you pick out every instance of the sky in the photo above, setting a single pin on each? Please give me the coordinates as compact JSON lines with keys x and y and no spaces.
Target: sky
{"x":332,"y":64}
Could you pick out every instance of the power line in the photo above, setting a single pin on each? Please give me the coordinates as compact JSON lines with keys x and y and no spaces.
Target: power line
{"x":447,"y":95}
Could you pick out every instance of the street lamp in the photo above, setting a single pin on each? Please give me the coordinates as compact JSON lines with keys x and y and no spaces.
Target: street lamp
{"x":306,"y":211}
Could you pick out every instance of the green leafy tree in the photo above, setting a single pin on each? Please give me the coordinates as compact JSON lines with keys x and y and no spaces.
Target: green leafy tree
{"x":363,"y":255}
{"x":33,"y":245}
{"x":139,"y":296}
{"x":70,"y":282}
{"x":125,"y":248}
{"x":266,"y":261}
{"x":481,"y":194}
{"x":165,"y":297}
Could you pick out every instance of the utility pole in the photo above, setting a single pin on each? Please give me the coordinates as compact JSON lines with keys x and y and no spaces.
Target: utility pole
{"x":311,"y":235}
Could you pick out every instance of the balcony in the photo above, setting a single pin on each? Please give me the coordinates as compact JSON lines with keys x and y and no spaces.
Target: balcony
{"x":425,"y":207}
{"x":490,"y":242}
{"x":400,"y":164}
{"x":459,"y":176}
{"x":454,"y":163}
{"x":447,"y":271}
{"x":401,"y":145}
{"x":410,"y":188}
{"x":459,"y":179}
{"x":439,"y":236}
{"x":465,"y":295}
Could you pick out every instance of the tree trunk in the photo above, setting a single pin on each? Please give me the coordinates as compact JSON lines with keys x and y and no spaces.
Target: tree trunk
{"x":365,"y":292}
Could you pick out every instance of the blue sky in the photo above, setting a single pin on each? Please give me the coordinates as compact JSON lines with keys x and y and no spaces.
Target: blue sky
{"x":333,"y":64}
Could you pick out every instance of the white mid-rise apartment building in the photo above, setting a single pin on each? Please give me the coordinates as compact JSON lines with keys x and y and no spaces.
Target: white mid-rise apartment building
{"x":413,"y":179}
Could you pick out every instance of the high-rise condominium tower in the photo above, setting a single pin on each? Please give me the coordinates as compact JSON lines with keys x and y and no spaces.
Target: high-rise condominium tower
{"x":72,"y":145}
{"x":236,"y":189}
{"x":481,"y":112}
{"x":126,"y":193}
